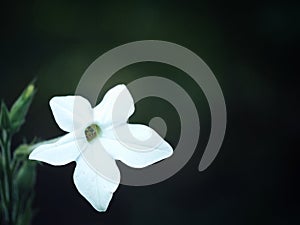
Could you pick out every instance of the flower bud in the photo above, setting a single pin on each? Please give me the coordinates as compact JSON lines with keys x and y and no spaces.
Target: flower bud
{"x":23,"y":151}
{"x":20,"y":108}
{"x":29,"y":91}
{"x":26,"y":177}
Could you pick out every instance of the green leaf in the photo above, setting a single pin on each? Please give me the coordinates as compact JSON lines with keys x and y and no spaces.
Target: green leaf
{"x":4,"y":117}
{"x":27,"y":213}
{"x":26,"y":176}
{"x":20,"y":108}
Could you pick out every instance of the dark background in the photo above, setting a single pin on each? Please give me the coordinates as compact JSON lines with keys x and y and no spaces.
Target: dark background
{"x":251,"y":48}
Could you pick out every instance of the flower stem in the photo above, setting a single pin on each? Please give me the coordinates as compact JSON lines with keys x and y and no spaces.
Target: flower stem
{"x":7,"y":186}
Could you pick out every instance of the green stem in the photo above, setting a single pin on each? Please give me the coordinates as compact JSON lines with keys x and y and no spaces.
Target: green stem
{"x":6,"y":142}
{"x":4,"y":203}
{"x":15,"y":165}
{"x":3,"y":192}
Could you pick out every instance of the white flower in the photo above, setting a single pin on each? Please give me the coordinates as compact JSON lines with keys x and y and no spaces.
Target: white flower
{"x":97,"y":137}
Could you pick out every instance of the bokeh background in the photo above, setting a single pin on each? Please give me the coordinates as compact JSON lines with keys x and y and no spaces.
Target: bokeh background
{"x":251,"y":48}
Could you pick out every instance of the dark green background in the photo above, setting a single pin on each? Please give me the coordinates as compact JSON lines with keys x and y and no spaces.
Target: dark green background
{"x":251,"y":48}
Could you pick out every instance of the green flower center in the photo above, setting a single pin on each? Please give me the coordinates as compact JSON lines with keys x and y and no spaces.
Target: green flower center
{"x":91,"y":132}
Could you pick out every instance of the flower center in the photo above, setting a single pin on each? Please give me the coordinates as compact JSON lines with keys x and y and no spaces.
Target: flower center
{"x":91,"y":132}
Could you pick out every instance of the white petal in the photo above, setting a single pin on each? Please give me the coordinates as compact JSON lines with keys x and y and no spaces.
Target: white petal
{"x":71,"y":112}
{"x":136,"y":145}
{"x":116,"y":107}
{"x":63,"y":151}
{"x":94,"y":182}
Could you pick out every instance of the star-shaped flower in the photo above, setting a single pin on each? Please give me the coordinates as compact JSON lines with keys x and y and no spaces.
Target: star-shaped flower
{"x":97,"y":137}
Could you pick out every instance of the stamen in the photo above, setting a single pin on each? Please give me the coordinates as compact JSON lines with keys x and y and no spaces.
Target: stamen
{"x":91,"y":132}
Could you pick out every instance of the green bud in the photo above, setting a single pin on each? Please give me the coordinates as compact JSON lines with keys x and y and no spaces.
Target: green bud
{"x":4,"y":117}
{"x":23,"y":151}
{"x":20,"y":108}
{"x":29,"y":91}
{"x":26,"y":176}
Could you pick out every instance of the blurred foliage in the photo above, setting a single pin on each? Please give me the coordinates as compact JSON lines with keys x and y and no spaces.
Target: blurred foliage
{"x":17,"y":173}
